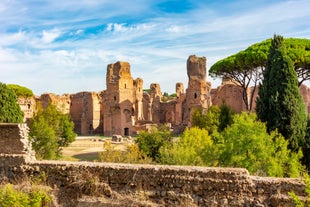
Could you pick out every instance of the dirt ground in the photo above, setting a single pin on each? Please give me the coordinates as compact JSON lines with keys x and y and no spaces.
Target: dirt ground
{"x":85,"y":149}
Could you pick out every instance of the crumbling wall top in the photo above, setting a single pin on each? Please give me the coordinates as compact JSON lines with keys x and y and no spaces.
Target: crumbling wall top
{"x":196,"y":67}
{"x":117,"y":70}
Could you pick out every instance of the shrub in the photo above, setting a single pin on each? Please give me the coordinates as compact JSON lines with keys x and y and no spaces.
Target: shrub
{"x":195,"y":147}
{"x":131,"y":154}
{"x":150,"y":142}
{"x":35,"y":197}
{"x":247,"y":144}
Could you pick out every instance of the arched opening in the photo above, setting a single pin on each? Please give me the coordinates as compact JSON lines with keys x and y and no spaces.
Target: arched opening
{"x":195,"y":95}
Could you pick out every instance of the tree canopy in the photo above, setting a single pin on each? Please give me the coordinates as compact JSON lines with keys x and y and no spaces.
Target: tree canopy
{"x":21,"y":91}
{"x":246,"y":67}
{"x":49,"y":131}
{"x":279,"y":102}
{"x":10,"y":111}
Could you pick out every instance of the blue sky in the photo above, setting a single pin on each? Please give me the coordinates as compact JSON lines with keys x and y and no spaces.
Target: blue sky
{"x":64,"y":46}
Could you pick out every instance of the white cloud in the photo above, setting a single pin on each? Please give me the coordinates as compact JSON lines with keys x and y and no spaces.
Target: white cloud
{"x":135,"y":28}
{"x":175,"y":29}
{"x":50,"y":36}
{"x":80,"y":31}
{"x":7,"y":39}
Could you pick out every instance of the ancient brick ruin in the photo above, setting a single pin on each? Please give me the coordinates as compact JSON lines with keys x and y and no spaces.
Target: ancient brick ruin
{"x":124,"y":107}
{"x":106,"y":184}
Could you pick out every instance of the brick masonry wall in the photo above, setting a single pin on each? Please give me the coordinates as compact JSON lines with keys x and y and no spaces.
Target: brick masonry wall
{"x":170,"y":185}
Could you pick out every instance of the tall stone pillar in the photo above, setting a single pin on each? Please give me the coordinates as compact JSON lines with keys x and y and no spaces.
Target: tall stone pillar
{"x":138,"y":83}
{"x":197,"y":92}
{"x":149,"y":110}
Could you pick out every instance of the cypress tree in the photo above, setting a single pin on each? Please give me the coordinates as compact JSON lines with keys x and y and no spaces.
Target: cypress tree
{"x":280,"y":104}
{"x":10,"y":111}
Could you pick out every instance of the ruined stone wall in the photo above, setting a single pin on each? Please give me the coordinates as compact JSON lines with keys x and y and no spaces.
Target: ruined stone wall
{"x":155,"y":184}
{"x":138,"y":106}
{"x":123,"y":104}
{"x":62,"y":102}
{"x":76,"y":110}
{"x":119,"y":99}
{"x":305,"y":93}
{"x":85,"y":111}
{"x":168,"y":112}
{"x":197,"y":92}
{"x":230,"y":92}
{"x":14,"y":140}
{"x":28,"y":106}
{"x":157,"y":115}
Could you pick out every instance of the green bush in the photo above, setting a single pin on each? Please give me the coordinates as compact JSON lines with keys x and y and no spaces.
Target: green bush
{"x":150,"y":142}
{"x":195,"y":147}
{"x":208,"y":120}
{"x":214,"y":120}
{"x":247,"y":144}
{"x":35,"y":197}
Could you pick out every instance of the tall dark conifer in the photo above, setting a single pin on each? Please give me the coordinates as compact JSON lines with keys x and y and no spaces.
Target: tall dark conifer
{"x":280,"y":103}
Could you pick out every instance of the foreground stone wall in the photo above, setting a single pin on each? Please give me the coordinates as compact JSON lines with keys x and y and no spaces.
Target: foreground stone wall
{"x":199,"y":186}
{"x":14,"y":141}
{"x":103,"y":184}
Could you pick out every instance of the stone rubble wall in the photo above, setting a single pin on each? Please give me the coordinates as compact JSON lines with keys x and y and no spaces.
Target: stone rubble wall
{"x":201,"y":185}
{"x":14,"y":140}
{"x":168,"y":185}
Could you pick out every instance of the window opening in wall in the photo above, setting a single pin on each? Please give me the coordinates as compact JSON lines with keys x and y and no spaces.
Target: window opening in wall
{"x":125,"y":85}
{"x":195,"y":96}
{"x":114,"y":98}
{"x":28,"y":105}
{"x":126,"y":131}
